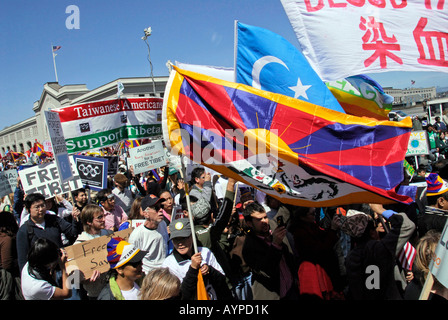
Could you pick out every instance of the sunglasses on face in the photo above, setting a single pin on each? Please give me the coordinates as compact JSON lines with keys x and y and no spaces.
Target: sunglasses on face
{"x":135,"y":264}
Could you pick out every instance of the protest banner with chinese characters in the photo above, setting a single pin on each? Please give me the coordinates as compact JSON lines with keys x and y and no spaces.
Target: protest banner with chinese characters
{"x":8,"y":182}
{"x":147,"y":157}
{"x":44,"y":179}
{"x":100,"y":124}
{"x":91,"y":255}
{"x":346,"y":38}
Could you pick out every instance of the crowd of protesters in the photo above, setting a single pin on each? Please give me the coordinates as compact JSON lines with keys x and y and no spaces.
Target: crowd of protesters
{"x":246,"y":246}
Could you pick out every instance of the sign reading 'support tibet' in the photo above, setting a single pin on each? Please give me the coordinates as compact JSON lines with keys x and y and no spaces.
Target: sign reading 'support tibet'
{"x":103,"y":123}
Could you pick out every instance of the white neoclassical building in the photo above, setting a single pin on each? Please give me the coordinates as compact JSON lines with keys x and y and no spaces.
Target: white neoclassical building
{"x":411,"y":96}
{"x":20,"y":137}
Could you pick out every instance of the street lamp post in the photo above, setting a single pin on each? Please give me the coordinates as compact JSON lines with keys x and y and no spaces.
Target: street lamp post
{"x":148,"y":32}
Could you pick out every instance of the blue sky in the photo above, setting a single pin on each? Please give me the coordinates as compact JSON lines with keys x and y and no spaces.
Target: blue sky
{"x":108,"y":44}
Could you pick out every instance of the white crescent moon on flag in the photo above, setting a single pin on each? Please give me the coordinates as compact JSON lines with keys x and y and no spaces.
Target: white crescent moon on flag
{"x":259,"y":65}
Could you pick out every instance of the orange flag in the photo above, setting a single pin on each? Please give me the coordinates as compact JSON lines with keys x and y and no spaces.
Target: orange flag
{"x":202,"y":293}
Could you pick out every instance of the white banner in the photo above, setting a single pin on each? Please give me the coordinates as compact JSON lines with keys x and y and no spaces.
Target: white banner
{"x":100,"y":124}
{"x":44,"y":179}
{"x":351,"y":37}
{"x":147,"y":157}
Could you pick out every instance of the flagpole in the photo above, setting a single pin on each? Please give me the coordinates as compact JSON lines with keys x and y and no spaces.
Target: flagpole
{"x":187,"y":195}
{"x":235,"y":47}
{"x":54,"y":63}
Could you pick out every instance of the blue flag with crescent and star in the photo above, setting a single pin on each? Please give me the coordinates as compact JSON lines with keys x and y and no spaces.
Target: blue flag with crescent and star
{"x":267,"y":61}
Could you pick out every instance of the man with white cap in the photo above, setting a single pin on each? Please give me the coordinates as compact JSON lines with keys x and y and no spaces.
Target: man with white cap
{"x":126,"y":268}
{"x":152,"y":235}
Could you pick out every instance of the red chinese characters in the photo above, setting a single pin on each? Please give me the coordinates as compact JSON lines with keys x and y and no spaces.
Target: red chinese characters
{"x":376,"y":39}
{"x":431,"y":45}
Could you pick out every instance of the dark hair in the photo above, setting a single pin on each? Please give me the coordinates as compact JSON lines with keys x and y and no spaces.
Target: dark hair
{"x":101,"y":196}
{"x":196,"y":173}
{"x":432,"y":200}
{"x":184,"y":204}
{"x":42,"y":253}
{"x":153,"y":187}
{"x":32,"y":198}
{"x":250,"y":208}
{"x":77,"y":191}
{"x":8,"y":224}
{"x":134,"y":213}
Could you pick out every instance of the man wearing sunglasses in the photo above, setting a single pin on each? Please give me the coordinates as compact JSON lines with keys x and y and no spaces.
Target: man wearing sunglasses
{"x":152,"y":236}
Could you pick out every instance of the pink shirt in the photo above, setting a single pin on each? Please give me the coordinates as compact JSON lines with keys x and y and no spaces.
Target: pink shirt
{"x":114,"y":218}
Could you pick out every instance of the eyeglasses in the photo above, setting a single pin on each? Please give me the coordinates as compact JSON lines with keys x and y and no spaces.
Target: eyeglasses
{"x":39,"y":206}
{"x":156,"y":208}
{"x":111,"y":197}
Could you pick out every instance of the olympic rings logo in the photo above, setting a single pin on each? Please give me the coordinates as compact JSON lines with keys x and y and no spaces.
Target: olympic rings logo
{"x":89,"y":170}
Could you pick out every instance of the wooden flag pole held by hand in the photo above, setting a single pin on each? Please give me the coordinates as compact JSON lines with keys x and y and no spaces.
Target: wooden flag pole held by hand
{"x":190,"y":213}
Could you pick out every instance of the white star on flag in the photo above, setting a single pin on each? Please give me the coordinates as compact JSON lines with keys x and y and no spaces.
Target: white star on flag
{"x":300,"y":89}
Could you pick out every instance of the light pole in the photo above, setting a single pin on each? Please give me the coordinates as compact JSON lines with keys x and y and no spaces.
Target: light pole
{"x":148,"y":32}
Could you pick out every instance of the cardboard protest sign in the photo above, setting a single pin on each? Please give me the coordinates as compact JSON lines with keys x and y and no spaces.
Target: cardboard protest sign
{"x":91,"y":255}
{"x":8,"y":182}
{"x":92,"y":171}
{"x":418,"y":143}
{"x":147,"y":157}
{"x":44,"y":179}
{"x":58,"y":146}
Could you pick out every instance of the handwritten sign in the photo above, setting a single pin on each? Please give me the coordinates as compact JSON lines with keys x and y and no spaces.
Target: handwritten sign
{"x":147,"y":157}
{"x":91,"y":255}
{"x":418,"y":143}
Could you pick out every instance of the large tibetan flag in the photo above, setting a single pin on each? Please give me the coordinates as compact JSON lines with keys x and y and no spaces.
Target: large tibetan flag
{"x":267,"y":61}
{"x":298,"y":152}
